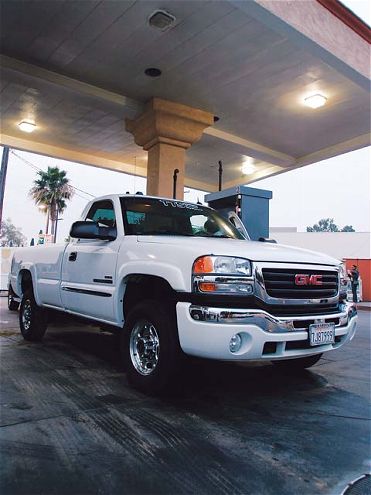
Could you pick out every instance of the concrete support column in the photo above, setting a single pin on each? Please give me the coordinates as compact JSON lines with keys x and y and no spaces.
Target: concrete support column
{"x":166,"y":129}
{"x":163,"y":159}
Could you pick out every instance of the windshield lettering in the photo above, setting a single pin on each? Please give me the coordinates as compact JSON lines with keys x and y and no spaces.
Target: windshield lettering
{"x":178,"y":204}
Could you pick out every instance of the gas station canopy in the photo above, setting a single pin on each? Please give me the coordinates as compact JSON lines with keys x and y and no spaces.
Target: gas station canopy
{"x":78,"y":69}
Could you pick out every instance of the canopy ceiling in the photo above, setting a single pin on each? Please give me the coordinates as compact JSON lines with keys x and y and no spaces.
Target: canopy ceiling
{"x":77,"y":69}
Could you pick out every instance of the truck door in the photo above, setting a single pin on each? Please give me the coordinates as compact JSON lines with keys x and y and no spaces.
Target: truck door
{"x":89,"y":268}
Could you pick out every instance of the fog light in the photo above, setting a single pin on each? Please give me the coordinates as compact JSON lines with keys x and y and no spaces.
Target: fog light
{"x":235,"y":343}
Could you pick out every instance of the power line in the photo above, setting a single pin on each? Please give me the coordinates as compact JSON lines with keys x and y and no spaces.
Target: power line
{"x":35,"y":167}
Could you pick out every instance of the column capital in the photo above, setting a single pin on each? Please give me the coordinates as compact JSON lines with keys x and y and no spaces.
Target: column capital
{"x":170,"y":123}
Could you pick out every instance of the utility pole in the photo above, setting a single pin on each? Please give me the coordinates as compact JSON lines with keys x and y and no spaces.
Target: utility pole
{"x":56,"y":228}
{"x":4,"y":168}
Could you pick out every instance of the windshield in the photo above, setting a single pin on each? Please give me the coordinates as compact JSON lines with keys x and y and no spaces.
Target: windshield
{"x":148,"y":216}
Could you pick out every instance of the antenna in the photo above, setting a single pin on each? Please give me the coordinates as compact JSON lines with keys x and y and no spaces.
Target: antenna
{"x":220,"y":174}
{"x":175,"y":177}
{"x":135,"y":172}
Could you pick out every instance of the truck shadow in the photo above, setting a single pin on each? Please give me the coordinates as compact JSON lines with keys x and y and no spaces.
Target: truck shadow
{"x":211,"y":381}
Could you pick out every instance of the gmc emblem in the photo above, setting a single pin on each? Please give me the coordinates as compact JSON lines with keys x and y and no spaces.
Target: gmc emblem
{"x":302,"y":279}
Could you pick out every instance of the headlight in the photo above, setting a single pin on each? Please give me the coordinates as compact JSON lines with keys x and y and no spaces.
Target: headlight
{"x":222,"y":264}
{"x":342,"y":271}
{"x":222,"y":275}
{"x":343,"y":279}
{"x":343,"y":275}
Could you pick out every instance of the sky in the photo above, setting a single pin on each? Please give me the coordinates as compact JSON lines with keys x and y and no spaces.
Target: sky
{"x":362,"y":8}
{"x":338,"y":188}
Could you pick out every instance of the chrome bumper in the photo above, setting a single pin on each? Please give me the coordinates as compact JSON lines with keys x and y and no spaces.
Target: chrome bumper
{"x":266,"y":321}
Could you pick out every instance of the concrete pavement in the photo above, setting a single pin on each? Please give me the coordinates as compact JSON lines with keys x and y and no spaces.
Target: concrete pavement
{"x":71,"y":425}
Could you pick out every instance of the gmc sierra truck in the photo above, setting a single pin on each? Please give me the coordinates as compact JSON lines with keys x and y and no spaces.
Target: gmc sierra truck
{"x":179,"y":279}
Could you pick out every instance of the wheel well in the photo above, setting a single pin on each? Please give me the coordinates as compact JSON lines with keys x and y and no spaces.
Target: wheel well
{"x":141,"y":287}
{"x":25,"y":278}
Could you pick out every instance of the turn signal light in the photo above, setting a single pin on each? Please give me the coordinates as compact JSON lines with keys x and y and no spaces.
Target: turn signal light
{"x":207,"y":287}
{"x":203,"y":265}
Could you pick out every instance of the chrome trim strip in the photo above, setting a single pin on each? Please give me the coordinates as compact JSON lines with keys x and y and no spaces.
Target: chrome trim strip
{"x":224,"y":278}
{"x":86,"y":291}
{"x":234,"y":280}
{"x":102,"y":281}
{"x":263,"y":319}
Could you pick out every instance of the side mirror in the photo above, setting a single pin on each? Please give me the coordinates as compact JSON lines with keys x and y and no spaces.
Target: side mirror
{"x":91,"y":230}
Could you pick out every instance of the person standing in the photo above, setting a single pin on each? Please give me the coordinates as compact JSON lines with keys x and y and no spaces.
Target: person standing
{"x":354,"y":279}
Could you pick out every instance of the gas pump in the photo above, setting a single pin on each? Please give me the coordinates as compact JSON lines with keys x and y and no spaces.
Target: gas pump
{"x":249,"y":204}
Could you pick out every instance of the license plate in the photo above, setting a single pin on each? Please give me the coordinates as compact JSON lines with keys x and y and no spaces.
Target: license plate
{"x":321,"y":333}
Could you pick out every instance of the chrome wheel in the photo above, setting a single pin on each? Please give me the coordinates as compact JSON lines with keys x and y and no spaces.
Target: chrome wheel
{"x":27,"y":314}
{"x":144,"y":347}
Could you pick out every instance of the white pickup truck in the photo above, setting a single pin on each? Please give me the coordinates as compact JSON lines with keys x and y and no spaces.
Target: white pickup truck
{"x":179,"y":279}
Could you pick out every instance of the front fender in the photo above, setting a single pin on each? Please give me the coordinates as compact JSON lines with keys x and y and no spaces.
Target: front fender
{"x":172,"y":274}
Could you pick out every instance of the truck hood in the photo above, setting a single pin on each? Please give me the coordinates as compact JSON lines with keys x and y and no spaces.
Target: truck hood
{"x":252,"y":250}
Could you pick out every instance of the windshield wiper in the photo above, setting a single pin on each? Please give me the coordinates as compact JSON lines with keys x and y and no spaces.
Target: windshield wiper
{"x":184,"y":234}
{"x":163,"y":232}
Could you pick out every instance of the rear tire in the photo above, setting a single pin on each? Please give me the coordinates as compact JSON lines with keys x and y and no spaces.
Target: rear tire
{"x":298,"y":363}
{"x":32,"y":318}
{"x":150,"y":347}
{"x":12,"y":304}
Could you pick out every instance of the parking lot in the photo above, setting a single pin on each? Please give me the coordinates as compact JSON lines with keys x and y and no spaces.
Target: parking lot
{"x":70,"y":423}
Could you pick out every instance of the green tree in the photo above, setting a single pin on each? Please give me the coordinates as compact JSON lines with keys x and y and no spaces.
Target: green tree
{"x":328,"y":225}
{"x":348,"y":228}
{"x":52,"y":189}
{"x":10,"y":235}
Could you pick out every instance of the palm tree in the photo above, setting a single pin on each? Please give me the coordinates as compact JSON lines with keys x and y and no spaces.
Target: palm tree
{"x":52,"y":189}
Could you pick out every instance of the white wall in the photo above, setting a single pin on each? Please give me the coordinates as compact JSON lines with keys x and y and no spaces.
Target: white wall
{"x":6,"y":255}
{"x":337,"y":244}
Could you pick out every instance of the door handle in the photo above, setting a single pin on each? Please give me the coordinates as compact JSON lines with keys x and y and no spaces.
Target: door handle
{"x":72,"y":256}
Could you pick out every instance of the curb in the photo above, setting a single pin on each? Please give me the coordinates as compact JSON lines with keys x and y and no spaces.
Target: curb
{"x":363,"y":308}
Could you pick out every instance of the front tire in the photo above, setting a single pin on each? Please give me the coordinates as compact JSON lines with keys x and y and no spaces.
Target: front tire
{"x":298,"y":363}
{"x":150,"y":347}
{"x":32,"y":318}
{"x":12,"y":304}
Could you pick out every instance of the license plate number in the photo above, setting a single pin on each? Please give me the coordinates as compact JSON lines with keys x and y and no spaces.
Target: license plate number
{"x":321,"y":333}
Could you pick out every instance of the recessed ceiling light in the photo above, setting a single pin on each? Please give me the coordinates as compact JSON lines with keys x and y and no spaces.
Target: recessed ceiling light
{"x":161,"y":19}
{"x":315,"y":101}
{"x":153,"y":72}
{"x":27,"y":126}
{"x":248,"y":168}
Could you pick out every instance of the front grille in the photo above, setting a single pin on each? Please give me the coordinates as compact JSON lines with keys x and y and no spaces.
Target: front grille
{"x":280,"y":283}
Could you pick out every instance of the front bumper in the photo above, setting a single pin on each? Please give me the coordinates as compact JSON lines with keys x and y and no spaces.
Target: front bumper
{"x":206,"y":332}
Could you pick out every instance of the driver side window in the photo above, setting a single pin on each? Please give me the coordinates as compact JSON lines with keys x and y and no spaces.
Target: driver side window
{"x":102,"y":212}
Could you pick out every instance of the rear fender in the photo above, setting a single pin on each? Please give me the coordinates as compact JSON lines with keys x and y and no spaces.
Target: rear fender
{"x":27,"y":267}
